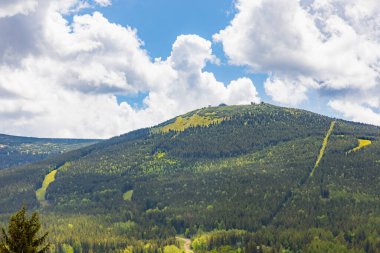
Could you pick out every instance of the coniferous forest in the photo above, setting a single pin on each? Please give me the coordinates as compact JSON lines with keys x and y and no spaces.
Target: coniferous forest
{"x":254,"y":178}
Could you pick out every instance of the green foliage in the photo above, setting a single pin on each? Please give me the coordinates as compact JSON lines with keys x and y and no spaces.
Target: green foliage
{"x":67,"y":248}
{"x":249,"y":174}
{"x":272,"y":240}
{"x":317,"y":245}
{"x":125,"y":228}
{"x":172,"y":249}
{"x":22,"y":235}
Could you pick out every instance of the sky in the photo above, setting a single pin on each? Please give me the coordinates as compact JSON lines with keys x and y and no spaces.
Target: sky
{"x":101,"y":68}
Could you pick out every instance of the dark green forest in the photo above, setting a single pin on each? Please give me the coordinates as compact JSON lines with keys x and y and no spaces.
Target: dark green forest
{"x":231,"y":178}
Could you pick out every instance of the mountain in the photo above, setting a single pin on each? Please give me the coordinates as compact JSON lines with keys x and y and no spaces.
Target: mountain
{"x":15,"y":150}
{"x":267,"y":178}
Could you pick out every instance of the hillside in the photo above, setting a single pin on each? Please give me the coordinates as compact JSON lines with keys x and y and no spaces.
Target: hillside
{"x":281,"y":178}
{"x":15,"y":150}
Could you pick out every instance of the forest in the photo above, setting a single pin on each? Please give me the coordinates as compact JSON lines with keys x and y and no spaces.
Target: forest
{"x":231,"y":178}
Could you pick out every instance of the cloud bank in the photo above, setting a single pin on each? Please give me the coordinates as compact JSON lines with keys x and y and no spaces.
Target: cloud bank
{"x":328,"y":46}
{"x":61,"y":78}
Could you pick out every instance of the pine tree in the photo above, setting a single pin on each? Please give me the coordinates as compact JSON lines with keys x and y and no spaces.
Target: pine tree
{"x":22,"y":235}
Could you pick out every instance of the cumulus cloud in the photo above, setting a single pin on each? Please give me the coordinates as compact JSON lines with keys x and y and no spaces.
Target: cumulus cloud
{"x":61,"y":78}
{"x":9,"y":8}
{"x":324,"y":45}
{"x":103,"y":2}
{"x":356,"y":111}
{"x":182,"y":56}
{"x":285,"y":90}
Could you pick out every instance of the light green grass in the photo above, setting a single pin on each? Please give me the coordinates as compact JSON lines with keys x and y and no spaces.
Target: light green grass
{"x":182,"y":123}
{"x":323,"y":148}
{"x":128,"y":195}
{"x":361,"y":144}
{"x":41,"y":193}
{"x":160,"y":155}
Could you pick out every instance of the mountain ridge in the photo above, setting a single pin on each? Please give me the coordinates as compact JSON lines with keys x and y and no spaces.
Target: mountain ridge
{"x":251,"y":170}
{"x":18,"y":150}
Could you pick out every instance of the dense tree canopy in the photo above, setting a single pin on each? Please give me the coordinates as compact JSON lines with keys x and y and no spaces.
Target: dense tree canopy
{"x":234,"y":178}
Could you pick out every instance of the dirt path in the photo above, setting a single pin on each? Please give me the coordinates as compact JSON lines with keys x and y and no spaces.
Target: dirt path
{"x":186,"y":243}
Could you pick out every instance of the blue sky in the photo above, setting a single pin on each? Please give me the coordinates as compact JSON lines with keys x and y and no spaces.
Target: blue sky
{"x":160,"y":22}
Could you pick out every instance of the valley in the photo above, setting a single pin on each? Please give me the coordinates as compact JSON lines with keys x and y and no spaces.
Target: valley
{"x":16,"y":150}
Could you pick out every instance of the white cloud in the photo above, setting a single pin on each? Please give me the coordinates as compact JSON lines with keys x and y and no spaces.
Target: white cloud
{"x":356,"y":112}
{"x":60,"y":79}
{"x":233,"y":93}
{"x":103,"y":2}
{"x":327,"y":45}
{"x":191,"y":53}
{"x":9,"y":8}
{"x":285,"y":90}
{"x":188,"y":87}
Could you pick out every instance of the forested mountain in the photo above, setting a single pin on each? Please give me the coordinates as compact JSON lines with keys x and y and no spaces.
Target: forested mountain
{"x":15,"y":150}
{"x":254,"y":178}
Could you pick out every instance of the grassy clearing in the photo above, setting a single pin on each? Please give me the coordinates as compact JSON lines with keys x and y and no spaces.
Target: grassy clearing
{"x":323,"y":148}
{"x":361,"y":144}
{"x":182,"y":123}
{"x":41,"y":193}
{"x":128,"y":195}
{"x":49,"y":178}
{"x":159,"y":155}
